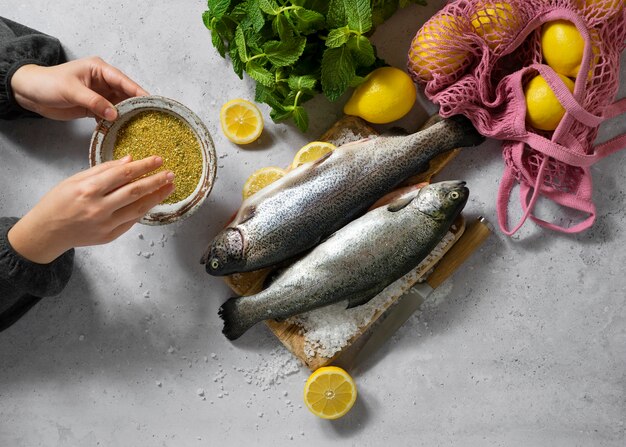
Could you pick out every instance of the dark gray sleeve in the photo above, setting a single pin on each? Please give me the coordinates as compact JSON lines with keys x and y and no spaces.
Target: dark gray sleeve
{"x":19,"y":46}
{"x":22,"y":282}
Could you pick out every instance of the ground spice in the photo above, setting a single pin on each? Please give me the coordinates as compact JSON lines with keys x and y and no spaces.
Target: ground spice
{"x":159,"y":133}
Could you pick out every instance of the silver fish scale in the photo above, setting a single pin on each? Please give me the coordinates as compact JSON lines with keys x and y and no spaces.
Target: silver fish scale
{"x":316,"y":200}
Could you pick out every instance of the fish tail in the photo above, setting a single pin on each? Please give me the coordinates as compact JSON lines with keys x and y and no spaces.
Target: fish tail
{"x":467,"y":133}
{"x":235,"y":324}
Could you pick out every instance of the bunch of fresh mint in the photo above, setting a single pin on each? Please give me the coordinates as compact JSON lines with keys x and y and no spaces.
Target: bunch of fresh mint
{"x":295,"y":49}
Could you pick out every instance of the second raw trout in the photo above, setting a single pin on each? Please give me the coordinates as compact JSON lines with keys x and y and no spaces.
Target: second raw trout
{"x":295,"y":213}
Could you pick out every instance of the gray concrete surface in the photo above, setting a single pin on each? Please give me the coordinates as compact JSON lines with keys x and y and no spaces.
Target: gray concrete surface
{"x":524,"y":346}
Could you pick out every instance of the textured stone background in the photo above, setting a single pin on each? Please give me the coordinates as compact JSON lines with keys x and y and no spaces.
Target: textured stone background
{"x":524,"y":346}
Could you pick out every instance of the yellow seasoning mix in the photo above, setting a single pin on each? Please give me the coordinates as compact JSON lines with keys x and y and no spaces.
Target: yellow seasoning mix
{"x":159,"y":133}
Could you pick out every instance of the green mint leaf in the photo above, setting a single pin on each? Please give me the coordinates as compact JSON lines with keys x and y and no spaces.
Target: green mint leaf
{"x":282,"y":54}
{"x":362,"y":50}
{"x":337,"y":13}
{"x":337,"y":37}
{"x":320,"y":6}
{"x":304,"y":83}
{"x":338,"y":68}
{"x":269,"y":96}
{"x":280,"y":114}
{"x":282,"y":27}
{"x":206,"y":19}
{"x":269,"y":7}
{"x":307,"y":21}
{"x":356,"y":81}
{"x":301,"y":118}
{"x":359,"y":15}
{"x":255,"y":17}
{"x":239,"y":12}
{"x":240,"y":40}
{"x":238,"y":65}
{"x":260,"y":74}
{"x":218,"y":43}
{"x":218,"y":8}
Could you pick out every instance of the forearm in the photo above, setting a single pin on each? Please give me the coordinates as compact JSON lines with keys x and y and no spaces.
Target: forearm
{"x":21,"y":46}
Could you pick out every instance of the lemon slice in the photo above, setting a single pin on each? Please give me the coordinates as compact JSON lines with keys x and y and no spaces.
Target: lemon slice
{"x":260,"y":179}
{"x":311,"y":152}
{"x":241,"y":121}
{"x":329,"y":392}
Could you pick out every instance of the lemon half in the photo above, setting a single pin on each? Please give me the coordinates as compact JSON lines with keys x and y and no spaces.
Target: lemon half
{"x":260,"y":179}
{"x":311,"y":152}
{"x":241,"y":121}
{"x":330,"y":392}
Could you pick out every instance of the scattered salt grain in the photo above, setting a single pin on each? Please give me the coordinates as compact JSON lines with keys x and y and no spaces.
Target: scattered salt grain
{"x":260,"y":415}
{"x":220,"y":395}
{"x":148,"y":254}
{"x":151,"y":243}
{"x":171,"y":349}
{"x":146,"y":294}
{"x":328,"y":329}
{"x":200,"y":392}
{"x":213,"y":355}
{"x":272,"y":368}
{"x":140,"y":235}
{"x":140,"y":284}
{"x":206,"y":359}
{"x":81,"y":337}
{"x":158,"y":383}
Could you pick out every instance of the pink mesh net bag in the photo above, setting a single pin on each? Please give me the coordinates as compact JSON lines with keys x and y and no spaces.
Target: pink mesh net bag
{"x":475,"y":56}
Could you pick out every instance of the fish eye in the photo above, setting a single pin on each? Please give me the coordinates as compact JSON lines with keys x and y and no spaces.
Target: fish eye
{"x":454,"y":195}
{"x":215,"y":264}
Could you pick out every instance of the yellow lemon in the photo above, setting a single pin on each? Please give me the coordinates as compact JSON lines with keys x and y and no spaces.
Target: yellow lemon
{"x":433,"y":50}
{"x":311,"y":152}
{"x":496,"y":21}
{"x":562,"y":47}
{"x":329,"y":392}
{"x":603,"y":8}
{"x":543,"y":109}
{"x":387,"y":94}
{"x":241,"y":121}
{"x":260,"y":179}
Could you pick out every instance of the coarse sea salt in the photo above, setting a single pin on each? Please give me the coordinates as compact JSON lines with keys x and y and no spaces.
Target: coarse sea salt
{"x":329,"y":329}
{"x":272,"y":368}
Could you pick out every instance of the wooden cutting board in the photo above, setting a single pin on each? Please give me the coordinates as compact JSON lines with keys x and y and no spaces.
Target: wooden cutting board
{"x":292,"y":335}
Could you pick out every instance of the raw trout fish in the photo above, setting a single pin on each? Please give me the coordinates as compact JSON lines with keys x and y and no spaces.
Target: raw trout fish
{"x":358,"y":261}
{"x":313,"y":201}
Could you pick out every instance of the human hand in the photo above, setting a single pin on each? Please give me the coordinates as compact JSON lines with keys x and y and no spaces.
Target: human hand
{"x":76,"y":89}
{"x":92,"y":207}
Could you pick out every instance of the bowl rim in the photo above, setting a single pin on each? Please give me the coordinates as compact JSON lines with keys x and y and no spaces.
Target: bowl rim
{"x":164,"y":214}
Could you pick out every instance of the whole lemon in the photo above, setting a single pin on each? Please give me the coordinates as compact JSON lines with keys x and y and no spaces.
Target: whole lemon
{"x":435,"y":49}
{"x":543,"y":109}
{"x":387,"y":94}
{"x":495,"y":22}
{"x":562,"y":47}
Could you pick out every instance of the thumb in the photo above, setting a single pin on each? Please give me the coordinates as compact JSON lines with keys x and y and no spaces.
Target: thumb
{"x":98,"y":105}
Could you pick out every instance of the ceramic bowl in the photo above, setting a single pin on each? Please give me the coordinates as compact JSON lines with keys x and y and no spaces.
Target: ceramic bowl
{"x":105,"y":135}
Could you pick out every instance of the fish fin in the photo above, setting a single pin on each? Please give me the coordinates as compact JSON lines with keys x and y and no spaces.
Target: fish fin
{"x":403,"y":200}
{"x":248,"y":214}
{"x":360,"y":298}
{"x":234,"y":324}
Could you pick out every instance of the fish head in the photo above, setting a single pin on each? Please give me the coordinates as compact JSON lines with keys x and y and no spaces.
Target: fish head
{"x":225,"y":254}
{"x":442,"y":200}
